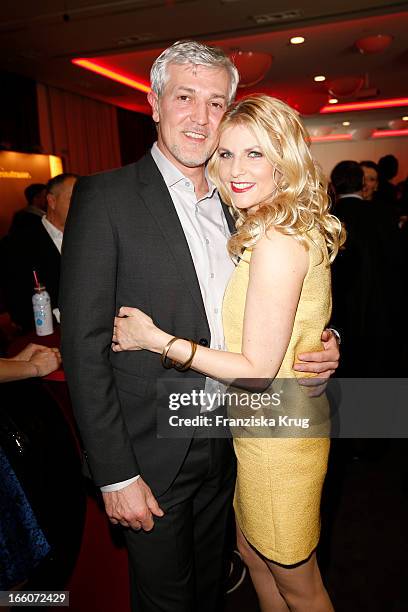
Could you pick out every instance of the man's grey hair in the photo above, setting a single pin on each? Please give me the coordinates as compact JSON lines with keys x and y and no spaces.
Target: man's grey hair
{"x":192,"y":52}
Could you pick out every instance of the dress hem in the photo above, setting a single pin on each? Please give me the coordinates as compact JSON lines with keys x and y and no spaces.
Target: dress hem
{"x":281,"y":563}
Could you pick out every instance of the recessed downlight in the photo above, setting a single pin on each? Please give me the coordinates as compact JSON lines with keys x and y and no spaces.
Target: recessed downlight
{"x":297,"y":40}
{"x":333,"y":101}
{"x":346,"y":123}
{"x":319,"y":78}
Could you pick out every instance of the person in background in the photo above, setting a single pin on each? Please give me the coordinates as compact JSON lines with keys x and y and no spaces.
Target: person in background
{"x":370,"y":170}
{"x":33,"y":361}
{"x":403,"y":205}
{"x":366,"y":283}
{"x":387,"y":191}
{"x":23,"y":544}
{"x":381,"y":208}
{"x":37,"y":248}
{"x":35,"y":195}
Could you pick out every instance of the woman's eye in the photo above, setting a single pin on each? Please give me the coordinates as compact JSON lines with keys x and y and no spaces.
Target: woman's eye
{"x":184,"y":98}
{"x":254,"y":154}
{"x":225,"y":154}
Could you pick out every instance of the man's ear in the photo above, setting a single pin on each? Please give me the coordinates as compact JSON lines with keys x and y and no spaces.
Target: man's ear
{"x":51,"y":201}
{"x":153,"y":100}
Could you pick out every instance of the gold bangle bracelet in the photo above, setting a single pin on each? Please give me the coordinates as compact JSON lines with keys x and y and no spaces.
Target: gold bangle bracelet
{"x":187,"y":364}
{"x":167,"y":363}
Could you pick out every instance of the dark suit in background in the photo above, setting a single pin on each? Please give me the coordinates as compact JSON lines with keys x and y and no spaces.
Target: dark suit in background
{"x":136,"y":254}
{"x":24,"y":251}
{"x":367,"y":291}
{"x":25,"y":219}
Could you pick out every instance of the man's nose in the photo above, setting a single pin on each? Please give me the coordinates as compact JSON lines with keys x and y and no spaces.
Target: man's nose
{"x":199,"y":113}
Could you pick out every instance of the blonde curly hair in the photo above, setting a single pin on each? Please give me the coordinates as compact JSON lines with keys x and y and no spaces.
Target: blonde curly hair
{"x":300,"y":202}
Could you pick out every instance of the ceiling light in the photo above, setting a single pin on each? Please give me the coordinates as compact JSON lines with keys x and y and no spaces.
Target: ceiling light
{"x":342,"y":137}
{"x":370,"y":105}
{"x":346,"y":123}
{"x":331,"y":137}
{"x":297,"y":40}
{"x":343,"y":87}
{"x":333,"y":101}
{"x":362,"y":133}
{"x":405,"y":118}
{"x":251,"y":65}
{"x":386,"y":133}
{"x":397,"y":124}
{"x":111,"y":74}
{"x":374,"y":44}
{"x":319,"y":78}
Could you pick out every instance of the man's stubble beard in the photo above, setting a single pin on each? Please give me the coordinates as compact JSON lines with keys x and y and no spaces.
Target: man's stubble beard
{"x":191,"y":161}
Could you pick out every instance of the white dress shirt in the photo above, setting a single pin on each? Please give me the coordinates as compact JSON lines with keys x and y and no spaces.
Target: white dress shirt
{"x":206,"y":231}
{"x":54,"y":233}
{"x":56,"y":236}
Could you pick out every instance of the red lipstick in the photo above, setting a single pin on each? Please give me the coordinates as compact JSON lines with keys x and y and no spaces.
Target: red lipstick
{"x":236,"y":189}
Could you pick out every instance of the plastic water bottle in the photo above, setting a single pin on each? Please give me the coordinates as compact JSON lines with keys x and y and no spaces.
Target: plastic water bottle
{"x":42,"y":310}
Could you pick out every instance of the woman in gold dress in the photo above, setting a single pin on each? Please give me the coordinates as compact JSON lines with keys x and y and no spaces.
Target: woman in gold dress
{"x":276,"y":306}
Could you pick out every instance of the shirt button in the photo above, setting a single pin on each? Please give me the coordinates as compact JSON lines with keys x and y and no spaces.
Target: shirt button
{"x":207,"y":241}
{"x":187,"y":184}
{"x":203,"y":342}
{"x":219,"y":347}
{"x":216,"y":310}
{"x":212,"y":275}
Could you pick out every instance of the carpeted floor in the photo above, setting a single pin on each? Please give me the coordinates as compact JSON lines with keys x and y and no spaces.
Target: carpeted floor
{"x":364,"y":546}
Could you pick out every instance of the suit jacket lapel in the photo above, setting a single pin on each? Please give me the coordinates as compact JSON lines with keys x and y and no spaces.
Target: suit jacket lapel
{"x":158,"y":200}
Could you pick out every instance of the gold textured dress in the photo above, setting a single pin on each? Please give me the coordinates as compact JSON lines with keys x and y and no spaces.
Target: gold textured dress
{"x":280,"y":479}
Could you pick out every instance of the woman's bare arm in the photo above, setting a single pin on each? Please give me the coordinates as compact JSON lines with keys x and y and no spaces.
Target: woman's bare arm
{"x":278,"y":266}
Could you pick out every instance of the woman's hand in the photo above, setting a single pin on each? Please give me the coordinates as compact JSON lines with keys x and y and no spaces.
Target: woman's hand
{"x":28,"y":352}
{"x":46,"y":360}
{"x":134,"y":330}
{"x":34,"y":360}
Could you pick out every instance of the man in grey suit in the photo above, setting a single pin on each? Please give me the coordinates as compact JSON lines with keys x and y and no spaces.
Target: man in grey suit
{"x":153,"y":235}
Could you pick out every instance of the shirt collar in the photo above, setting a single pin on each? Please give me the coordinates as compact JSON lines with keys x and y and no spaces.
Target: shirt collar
{"x":172,"y":175}
{"x":34,"y":210}
{"x":350,"y":195}
{"x":53,"y":231}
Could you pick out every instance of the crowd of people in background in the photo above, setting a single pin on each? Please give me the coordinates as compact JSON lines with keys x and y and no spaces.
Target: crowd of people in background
{"x":368,"y":276}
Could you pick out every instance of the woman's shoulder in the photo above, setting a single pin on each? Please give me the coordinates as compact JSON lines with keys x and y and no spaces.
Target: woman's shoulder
{"x":276,"y":241}
{"x":280,"y":250}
